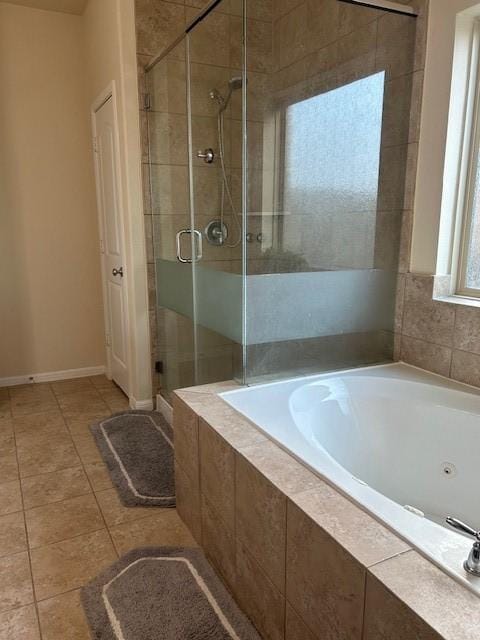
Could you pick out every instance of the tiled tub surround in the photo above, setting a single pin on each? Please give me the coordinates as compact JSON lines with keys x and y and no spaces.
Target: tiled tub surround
{"x":382,"y":435}
{"x":302,"y":560}
{"x":438,"y":334}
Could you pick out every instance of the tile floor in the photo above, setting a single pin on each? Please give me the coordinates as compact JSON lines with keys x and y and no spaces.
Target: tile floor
{"x":61,"y":522}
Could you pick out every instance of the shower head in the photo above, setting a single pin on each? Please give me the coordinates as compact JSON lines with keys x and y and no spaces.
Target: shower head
{"x":234,"y":84}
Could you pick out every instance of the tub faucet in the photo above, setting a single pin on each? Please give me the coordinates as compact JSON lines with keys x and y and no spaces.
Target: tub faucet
{"x":472,"y":563}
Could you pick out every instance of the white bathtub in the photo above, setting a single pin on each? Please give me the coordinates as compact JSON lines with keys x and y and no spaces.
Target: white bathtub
{"x":391,"y":437}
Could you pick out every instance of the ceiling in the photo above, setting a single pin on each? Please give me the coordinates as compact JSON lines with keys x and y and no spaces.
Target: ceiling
{"x":65,"y":6}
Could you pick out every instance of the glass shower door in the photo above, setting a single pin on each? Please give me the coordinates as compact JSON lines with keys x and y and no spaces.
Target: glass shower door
{"x":215,"y":81}
{"x":171,"y":219}
{"x":195,"y":171}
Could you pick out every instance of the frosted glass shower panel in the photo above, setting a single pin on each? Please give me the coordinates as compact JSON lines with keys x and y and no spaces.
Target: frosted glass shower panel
{"x":331,"y":169}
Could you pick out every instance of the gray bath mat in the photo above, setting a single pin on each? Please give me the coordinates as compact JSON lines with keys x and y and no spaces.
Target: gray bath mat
{"x":163,"y":593}
{"x":137,"y":447}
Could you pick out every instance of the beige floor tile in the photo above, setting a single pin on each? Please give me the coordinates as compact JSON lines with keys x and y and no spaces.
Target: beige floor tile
{"x":102,"y":382}
{"x":70,"y":564}
{"x":63,"y":520}
{"x":98,"y":475}
{"x":32,"y":399}
{"x":26,"y":407}
{"x":81,"y":426}
{"x":19,"y":624}
{"x":116,"y":399}
{"x":54,"y":487}
{"x":71,"y":386}
{"x":117,"y":406}
{"x":10,"y":497}
{"x":12,"y":534}
{"x":86,"y":411}
{"x":45,"y":455}
{"x":5,"y":408}
{"x":62,"y":618}
{"x":30,"y":391}
{"x":115,"y":513}
{"x":6,"y":424}
{"x":87,"y":448}
{"x":79,"y":400}
{"x":8,"y":467}
{"x":112,"y":395}
{"x":16,"y":587}
{"x":41,"y":424}
{"x":162,"y":528}
{"x":7,"y":439}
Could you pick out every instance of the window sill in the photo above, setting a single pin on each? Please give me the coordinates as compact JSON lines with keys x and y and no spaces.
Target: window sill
{"x":458,"y":299}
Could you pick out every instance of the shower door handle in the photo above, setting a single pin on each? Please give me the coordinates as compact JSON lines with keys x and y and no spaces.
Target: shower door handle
{"x":199,"y":250}
{"x":199,"y":243}
{"x":179,"y":235}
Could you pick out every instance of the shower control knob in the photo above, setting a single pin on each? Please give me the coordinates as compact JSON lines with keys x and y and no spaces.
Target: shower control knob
{"x":208,"y":155}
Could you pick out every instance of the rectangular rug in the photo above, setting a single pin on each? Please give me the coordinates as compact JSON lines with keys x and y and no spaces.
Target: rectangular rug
{"x":163,"y":593}
{"x":137,"y":447}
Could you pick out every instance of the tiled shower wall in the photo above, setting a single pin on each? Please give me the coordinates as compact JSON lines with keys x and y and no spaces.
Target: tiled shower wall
{"x":321,"y":48}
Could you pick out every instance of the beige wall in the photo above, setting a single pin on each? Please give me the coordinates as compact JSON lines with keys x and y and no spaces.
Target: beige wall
{"x":51,"y":315}
{"x":52,"y":68}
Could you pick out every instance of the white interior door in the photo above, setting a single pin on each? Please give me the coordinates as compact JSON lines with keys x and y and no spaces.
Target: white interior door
{"x":107,"y":175}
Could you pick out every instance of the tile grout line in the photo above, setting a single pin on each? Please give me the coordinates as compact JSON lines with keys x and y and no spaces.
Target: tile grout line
{"x":395,"y":555}
{"x":55,"y":542}
{"x":364,"y":608}
{"x":87,"y":476}
{"x":34,"y":593}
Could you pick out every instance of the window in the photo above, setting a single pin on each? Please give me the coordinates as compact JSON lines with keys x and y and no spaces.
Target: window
{"x":330,"y":174}
{"x":466,"y":246}
{"x":469,"y":255}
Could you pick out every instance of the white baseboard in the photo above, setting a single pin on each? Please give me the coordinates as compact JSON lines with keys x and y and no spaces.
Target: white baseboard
{"x":141,"y":405}
{"x":165,"y":409}
{"x":52,"y":376}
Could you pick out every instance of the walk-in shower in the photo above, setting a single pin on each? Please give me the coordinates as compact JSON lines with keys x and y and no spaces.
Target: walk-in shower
{"x":277,"y":165}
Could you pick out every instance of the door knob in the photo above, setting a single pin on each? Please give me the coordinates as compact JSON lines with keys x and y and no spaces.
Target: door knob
{"x":118,"y":272}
